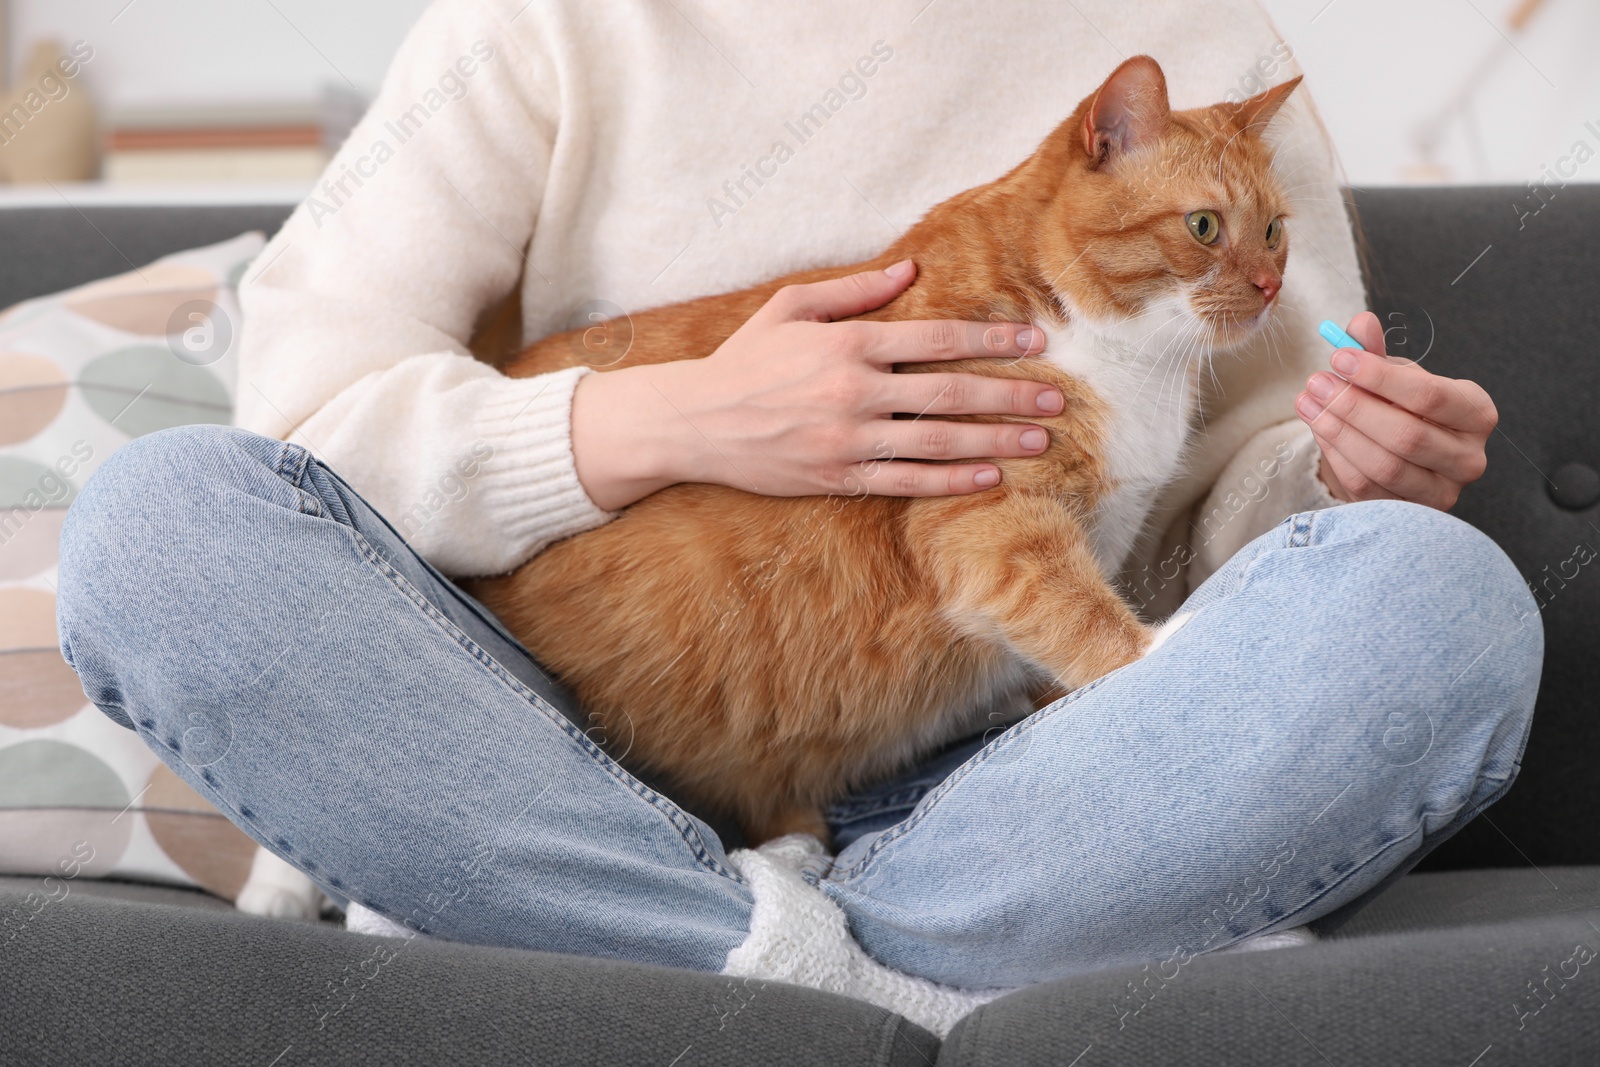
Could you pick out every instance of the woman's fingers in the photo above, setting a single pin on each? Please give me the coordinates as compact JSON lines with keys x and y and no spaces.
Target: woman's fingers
{"x":1408,"y":436}
{"x":1366,"y":328}
{"x":1388,"y":428}
{"x":965,"y":394}
{"x":1453,"y":404}
{"x":899,"y":342}
{"x":1369,"y":471}
{"x":903,"y":478}
{"x":933,"y":439}
{"x":840,"y":298}
{"x":1344,"y":473}
{"x":932,"y":340}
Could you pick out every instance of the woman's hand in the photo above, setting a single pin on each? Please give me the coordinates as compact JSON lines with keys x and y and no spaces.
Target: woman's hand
{"x":796,"y":404}
{"x":1390,"y":430}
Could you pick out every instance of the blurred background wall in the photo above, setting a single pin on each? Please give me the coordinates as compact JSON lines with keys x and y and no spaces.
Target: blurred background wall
{"x":1413,"y":90}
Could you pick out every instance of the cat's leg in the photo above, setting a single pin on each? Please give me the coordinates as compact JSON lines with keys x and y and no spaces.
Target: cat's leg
{"x":277,"y":889}
{"x":1023,"y":565}
{"x":794,"y":818}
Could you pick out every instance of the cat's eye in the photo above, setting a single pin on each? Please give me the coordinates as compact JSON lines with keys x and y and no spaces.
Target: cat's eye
{"x":1205,"y":226}
{"x":1275,"y":233}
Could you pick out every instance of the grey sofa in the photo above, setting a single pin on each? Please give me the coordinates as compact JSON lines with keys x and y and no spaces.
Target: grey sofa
{"x":1472,"y":960}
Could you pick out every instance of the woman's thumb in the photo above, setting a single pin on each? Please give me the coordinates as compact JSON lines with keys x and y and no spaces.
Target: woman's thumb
{"x":840,"y":298}
{"x":1366,"y":328}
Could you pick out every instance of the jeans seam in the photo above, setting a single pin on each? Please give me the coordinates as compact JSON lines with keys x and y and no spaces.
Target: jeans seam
{"x":292,"y":465}
{"x":292,"y":456}
{"x":674,"y":815}
{"x":1300,"y":526}
{"x":937,"y":793}
{"x":1300,"y":533}
{"x":1283,"y":921}
{"x":850,"y":811}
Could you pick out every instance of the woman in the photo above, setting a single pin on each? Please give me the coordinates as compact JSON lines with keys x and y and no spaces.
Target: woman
{"x":1354,"y":683}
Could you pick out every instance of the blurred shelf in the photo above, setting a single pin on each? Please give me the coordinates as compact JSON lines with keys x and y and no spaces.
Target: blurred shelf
{"x":103,"y":194}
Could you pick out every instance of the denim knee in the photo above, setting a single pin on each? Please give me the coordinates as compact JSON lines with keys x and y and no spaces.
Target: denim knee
{"x":1465,"y":648}
{"x":1467,"y":583}
{"x":133,"y":526}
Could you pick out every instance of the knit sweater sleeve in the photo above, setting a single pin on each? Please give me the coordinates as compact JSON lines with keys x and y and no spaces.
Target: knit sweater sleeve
{"x":1273,"y":476}
{"x":359,"y":312}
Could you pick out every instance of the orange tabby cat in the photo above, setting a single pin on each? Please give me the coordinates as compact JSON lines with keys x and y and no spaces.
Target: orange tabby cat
{"x":768,"y":654}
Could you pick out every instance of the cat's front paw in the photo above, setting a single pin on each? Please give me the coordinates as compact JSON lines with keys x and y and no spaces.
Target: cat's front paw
{"x":277,"y":890}
{"x":1161,"y":634}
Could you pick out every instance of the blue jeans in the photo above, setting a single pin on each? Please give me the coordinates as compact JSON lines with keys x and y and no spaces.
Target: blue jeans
{"x":1352,"y":688}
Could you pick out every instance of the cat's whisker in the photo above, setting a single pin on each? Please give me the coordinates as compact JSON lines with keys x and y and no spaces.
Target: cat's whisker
{"x":1275,"y":328}
{"x":1173,"y":349}
{"x":1200,"y":355}
{"x":1283,"y":174}
{"x":1186,"y":340}
{"x":1176,"y":374}
{"x":1216,"y":382}
{"x":1173,"y":342}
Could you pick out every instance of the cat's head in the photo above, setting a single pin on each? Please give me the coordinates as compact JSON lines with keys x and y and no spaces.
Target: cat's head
{"x":1169,"y":222}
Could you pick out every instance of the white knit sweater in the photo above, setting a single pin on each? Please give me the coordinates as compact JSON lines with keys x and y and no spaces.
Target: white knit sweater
{"x":639,"y":152}
{"x":622,"y":155}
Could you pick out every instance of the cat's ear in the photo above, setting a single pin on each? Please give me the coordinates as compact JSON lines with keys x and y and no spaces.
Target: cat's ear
{"x":1128,"y":110}
{"x":1251,"y":116}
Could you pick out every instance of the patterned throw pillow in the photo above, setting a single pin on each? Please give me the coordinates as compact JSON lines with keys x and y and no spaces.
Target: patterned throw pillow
{"x":82,"y":373}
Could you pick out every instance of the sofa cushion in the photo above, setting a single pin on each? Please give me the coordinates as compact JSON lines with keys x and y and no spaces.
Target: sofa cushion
{"x":1444,"y":900}
{"x":15,"y":889}
{"x":90,"y":980}
{"x":1443,"y":968}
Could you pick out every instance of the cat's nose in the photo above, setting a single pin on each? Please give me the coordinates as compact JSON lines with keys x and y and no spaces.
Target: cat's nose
{"x":1268,"y":284}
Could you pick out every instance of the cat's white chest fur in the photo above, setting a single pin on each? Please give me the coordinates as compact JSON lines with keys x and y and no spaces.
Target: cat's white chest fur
{"x":1143,"y":372}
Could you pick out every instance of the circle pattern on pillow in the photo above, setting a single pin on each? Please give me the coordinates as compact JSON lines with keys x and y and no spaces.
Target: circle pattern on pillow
{"x":54,"y":795}
{"x":30,"y":548}
{"x":143,"y":389}
{"x":37,"y":688}
{"x":144,"y":301}
{"x":33,"y":499}
{"x":209,"y":848}
{"x":81,"y":373}
{"x":27,"y":484}
{"x":27,"y":618}
{"x":32,"y":392}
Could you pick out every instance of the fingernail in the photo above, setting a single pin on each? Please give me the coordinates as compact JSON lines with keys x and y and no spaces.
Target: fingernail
{"x":1025,"y":338}
{"x":1308,"y":407}
{"x":1050,"y":401}
{"x":898,"y":270}
{"x":986,"y":477}
{"x":1346,"y":362}
{"x":1321,"y":386}
{"x":1033,"y":440}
